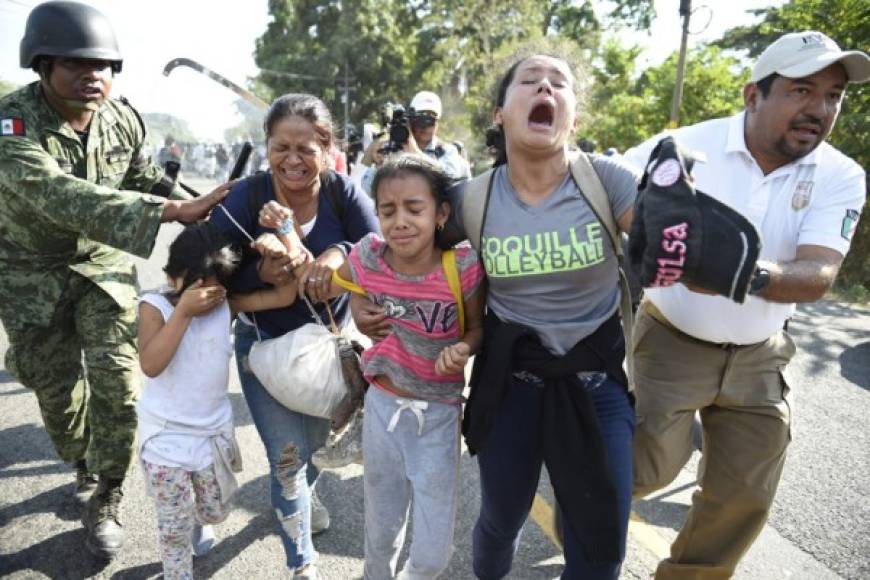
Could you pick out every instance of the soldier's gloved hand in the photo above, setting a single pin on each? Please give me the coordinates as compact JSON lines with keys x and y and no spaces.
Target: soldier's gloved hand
{"x":188,"y":212}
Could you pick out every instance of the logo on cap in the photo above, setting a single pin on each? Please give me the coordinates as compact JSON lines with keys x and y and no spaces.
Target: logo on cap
{"x":813,"y":40}
{"x":667,"y":173}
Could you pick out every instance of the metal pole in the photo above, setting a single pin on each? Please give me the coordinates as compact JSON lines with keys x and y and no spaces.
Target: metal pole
{"x":686,"y":13}
{"x":346,"y":102}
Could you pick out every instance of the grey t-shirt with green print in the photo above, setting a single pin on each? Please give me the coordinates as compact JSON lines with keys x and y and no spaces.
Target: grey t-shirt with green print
{"x":550,"y":267}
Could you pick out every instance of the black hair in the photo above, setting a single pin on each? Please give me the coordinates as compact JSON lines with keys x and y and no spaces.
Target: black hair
{"x":408,"y":164}
{"x":306,"y":106}
{"x":200,"y":252}
{"x":766,"y":83}
{"x":495,"y":137}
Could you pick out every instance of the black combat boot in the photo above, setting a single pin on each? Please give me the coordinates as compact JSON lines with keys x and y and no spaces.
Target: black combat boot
{"x":102,"y":519}
{"x":86,"y":482}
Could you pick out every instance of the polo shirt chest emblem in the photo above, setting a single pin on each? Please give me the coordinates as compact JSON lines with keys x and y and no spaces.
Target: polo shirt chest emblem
{"x":803,"y":193}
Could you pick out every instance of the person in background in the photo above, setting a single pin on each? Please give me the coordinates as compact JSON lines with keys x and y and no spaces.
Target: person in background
{"x":425,"y":116}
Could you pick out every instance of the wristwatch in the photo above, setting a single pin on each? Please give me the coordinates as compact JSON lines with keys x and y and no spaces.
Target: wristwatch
{"x":760,"y":281}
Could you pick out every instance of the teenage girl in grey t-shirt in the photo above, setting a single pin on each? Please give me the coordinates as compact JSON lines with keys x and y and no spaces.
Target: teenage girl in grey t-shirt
{"x":550,"y":268}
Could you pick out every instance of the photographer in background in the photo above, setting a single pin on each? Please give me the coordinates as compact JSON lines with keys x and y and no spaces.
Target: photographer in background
{"x":425,"y":112}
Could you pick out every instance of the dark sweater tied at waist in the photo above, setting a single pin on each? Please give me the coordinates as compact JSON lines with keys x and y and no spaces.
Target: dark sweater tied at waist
{"x":573,"y":449}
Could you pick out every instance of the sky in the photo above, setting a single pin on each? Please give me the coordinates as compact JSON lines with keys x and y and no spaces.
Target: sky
{"x":221,"y":34}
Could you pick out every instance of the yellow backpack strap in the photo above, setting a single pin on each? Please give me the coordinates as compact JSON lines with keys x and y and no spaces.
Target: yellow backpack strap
{"x":346,"y":284}
{"x":451,"y":272}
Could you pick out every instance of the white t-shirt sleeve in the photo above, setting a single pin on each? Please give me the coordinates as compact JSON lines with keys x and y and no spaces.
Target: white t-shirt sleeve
{"x":832,"y":217}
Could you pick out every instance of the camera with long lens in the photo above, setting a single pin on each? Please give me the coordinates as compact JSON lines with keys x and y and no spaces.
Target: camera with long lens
{"x":353,"y":144}
{"x":397,"y":121}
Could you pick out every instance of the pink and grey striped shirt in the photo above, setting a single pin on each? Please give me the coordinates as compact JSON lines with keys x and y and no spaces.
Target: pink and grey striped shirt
{"x":423,"y":314}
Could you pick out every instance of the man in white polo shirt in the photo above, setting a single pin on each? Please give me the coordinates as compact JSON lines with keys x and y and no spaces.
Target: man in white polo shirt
{"x":698,"y":352}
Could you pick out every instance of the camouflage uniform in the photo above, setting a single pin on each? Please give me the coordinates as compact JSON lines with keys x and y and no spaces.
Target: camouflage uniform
{"x":68,"y":214}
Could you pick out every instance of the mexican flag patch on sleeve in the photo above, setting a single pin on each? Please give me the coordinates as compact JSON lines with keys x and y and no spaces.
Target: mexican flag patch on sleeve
{"x":850,"y":224}
{"x":12,"y":126}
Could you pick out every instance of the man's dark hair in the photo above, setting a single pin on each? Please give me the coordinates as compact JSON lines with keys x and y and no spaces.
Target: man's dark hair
{"x":199,"y":252}
{"x":766,"y":83}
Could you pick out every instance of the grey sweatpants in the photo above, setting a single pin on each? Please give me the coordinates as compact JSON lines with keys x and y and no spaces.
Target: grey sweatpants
{"x":410,"y":449}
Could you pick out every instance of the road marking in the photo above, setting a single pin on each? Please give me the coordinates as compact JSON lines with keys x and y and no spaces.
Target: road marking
{"x":643,"y":533}
{"x":542,"y":513}
{"x":647,"y":536}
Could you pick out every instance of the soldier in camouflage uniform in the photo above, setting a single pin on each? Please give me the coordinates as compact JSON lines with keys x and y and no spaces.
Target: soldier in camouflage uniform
{"x":73,"y":172}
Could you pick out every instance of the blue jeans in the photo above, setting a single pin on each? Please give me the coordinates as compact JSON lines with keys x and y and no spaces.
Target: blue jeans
{"x":510,"y":468}
{"x":289,"y":438}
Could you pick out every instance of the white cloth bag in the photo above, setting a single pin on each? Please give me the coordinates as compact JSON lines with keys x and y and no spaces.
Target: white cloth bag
{"x":301,"y":370}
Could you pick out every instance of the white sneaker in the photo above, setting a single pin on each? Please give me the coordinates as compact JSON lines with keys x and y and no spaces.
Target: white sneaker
{"x":308,"y":572}
{"x":319,"y":515}
{"x":342,"y":448}
{"x":203,"y":539}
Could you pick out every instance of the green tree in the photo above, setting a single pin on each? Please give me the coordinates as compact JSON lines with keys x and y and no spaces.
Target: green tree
{"x":310,"y":43}
{"x":393,"y":48}
{"x":469,"y":39}
{"x":473,"y":39}
{"x":626,"y":111}
{"x":6,"y":87}
{"x":847,"y":22}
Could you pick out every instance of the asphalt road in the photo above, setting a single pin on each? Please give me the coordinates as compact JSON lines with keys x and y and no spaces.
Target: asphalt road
{"x":819,"y":527}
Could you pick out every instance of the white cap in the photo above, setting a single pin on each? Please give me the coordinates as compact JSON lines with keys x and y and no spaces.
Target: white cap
{"x":427,"y":101}
{"x":801,"y":54}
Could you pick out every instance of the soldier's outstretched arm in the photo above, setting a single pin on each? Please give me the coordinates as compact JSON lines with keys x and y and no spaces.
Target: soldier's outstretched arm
{"x":127,"y":220}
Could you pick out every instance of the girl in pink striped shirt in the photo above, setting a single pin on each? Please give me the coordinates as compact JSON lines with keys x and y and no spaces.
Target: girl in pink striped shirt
{"x":411,"y":421}
{"x":411,"y":424}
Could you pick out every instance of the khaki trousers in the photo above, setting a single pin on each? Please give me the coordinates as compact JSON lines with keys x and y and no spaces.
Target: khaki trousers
{"x":743,"y":402}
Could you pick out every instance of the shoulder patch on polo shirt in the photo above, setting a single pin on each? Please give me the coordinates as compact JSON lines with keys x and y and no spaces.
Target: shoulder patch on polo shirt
{"x":850,"y":224}
{"x":12,"y":127}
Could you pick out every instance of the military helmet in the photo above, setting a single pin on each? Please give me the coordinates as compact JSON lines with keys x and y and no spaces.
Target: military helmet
{"x":70,"y":29}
